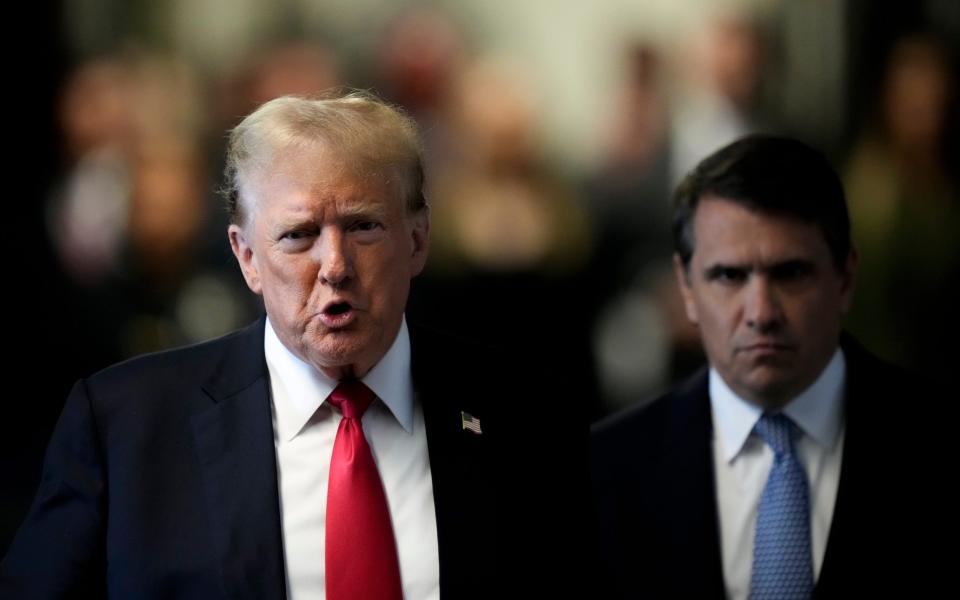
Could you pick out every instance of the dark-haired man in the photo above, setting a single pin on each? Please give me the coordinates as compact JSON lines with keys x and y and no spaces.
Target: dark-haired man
{"x":790,"y":468}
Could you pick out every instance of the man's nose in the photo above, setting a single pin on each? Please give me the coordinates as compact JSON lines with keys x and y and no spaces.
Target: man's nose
{"x":762,"y":310}
{"x":333,"y":256}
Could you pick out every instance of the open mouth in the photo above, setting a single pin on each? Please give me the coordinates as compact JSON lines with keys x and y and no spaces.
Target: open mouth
{"x":337,"y":315}
{"x":338,"y":309}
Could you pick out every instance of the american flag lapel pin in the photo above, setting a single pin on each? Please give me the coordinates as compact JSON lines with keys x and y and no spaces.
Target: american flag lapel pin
{"x":470,"y":422}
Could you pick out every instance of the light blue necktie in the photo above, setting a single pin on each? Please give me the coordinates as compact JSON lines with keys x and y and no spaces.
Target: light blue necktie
{"x":782,"y":561}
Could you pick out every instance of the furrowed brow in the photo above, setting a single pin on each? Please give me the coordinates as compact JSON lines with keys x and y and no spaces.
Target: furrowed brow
{"x":718,"y":270}
{"x":790,"y":268}
{"x":362,"y":211}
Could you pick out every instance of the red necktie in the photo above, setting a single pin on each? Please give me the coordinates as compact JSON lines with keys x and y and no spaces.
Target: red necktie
{"x":361,"y":554}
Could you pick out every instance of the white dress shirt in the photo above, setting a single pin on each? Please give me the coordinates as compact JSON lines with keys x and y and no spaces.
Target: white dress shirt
{"x":305,"y":427}
{"x":742,"y":463}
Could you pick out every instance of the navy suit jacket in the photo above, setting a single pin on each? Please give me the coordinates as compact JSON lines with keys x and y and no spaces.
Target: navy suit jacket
{"x":655,"y":512}
{"x":160,"y":480}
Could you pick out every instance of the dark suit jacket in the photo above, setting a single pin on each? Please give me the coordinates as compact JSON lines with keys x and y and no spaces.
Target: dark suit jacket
{"x":160,"y":480}
{"x":656,"y":516}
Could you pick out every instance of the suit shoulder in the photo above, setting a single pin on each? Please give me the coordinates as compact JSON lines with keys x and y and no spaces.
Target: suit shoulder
{"x":653,"y":416}
{"x":177,"y":365}
{"x":632,"y":426}
{"x":883,"y":382}
{"x":642,"y":428}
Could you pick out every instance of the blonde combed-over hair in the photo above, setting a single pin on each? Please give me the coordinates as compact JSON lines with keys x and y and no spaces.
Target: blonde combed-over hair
{"x":365,"y":133}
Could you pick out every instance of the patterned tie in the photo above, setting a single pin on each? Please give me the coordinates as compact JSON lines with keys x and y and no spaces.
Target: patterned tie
{"x":782,"y":561}
{"x":361,"y":554}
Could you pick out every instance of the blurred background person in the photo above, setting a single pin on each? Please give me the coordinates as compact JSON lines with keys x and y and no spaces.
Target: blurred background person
{"x":721,"y":71}
{"x":510,"y":241}
{"x":903,"y":186}
{"x":132,"y":221}
{"x":419,"y":57}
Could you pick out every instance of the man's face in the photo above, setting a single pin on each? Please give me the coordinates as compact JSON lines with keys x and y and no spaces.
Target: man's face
{"x":767,"y":299}
{"x":332,"y":253}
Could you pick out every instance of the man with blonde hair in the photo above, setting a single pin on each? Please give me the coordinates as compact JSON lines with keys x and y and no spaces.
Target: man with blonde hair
{"x":327,"y":450}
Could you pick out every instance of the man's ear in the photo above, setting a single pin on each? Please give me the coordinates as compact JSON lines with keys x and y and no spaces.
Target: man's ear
{"x":682,"y":273}
{"x":849,"y":280}
{"x":420,"y":238}
{"x":240,"y":243}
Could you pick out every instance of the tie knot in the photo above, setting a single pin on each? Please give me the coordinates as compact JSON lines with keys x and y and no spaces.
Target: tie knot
{"x":352,"y":397}
{"x":778,"y":431}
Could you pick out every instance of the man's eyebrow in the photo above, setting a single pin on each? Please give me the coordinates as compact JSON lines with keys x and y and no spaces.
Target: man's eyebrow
{"x":715,"y":270}
{"x":788,"y":266}
{"x":774,"y":268}
{"x":362,"y":209}
{"x":292,"y":222}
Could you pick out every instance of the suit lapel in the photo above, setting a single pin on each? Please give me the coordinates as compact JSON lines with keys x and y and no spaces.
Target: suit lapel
{"x":691,"y":506}
{"x":853,"y":500}
{"x":462,"y":491}
{"x":462,"y":500}
{"x":234,"y":442}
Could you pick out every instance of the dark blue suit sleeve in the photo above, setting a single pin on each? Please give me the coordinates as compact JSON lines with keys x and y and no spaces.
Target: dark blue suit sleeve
{"x":59,"y":550}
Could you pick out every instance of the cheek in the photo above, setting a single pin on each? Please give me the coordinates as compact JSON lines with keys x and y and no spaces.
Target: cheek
{"x":814,"y":308}
{"x":288,"y":279}
{"x":823,"y":319}
{"x":387,"y":285}
{"x":717,"y":325}
{"x":389,"y":289}
{"x":713,"y":314}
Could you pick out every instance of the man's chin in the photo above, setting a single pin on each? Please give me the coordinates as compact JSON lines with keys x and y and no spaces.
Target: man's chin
{"x":340,"y":352}
{"x":774,"y":390}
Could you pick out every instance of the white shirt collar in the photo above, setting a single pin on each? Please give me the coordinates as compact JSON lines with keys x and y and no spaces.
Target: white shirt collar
{"x":817,"y":411}
{"x":306,"y":388}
